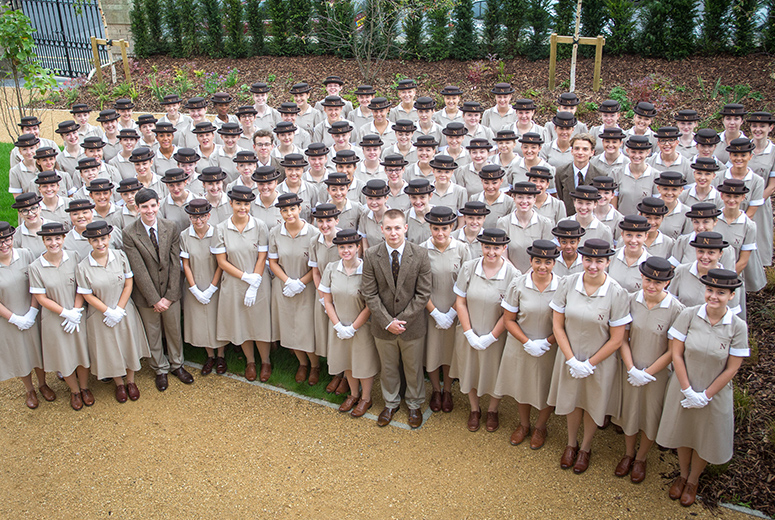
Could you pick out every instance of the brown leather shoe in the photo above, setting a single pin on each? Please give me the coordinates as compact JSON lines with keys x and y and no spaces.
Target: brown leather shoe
{"x":624,"y":466}
{"x":266,"y":372}
{"x":220,"y":365}
{"x":446,"y":402}
{"x":207,"y":368}
{"x":184,"y":376}
{"x":473,"y":420}
{"x":301,"y":373}
{"x":314,"y":375}
{"x":121,"y":393}
{"x":32,"y":399}
{"x":132,"y":391}
{"x":435,"y":404}
{"x":75,"y":400}
{"x":638,"y":474}
{"x":492,"y":421}
{"x":250,"y":372}
{"x":87,"y":397}
{"x":415,"y":418}
{"x":519,"y":435}
{"x":582,"y":462}
{"x":361,"y":408}
{"x":343,"y":387}
{"x":47,"y":393}
{"x":677,"y":488}
{"x":331,"y":386}
{"x":386,"y":416}
{"x":568,"y":457}
{"x":161,"y":382}
{"x":689,"y":495}
{"x":538,"y":438}
{"x":348,"y":403}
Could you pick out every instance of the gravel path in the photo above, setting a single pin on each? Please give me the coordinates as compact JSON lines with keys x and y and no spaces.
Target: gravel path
{"x":224,"y":448}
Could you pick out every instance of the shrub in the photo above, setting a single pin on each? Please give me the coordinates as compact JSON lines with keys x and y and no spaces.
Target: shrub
{"x":564,"y":17}
{"x":276,"y":9}
{"x":668,"y":28}
{"x":413,"y":24}
{"x":299,"y":12}
{"x":254,"y":13}
{"x":622,"y":26}
{"x":173,"y":21}
{"x":715,"y":26}
{"x":594,"y":14}
{"x":139,"y":29}
{"x":538,"y":20}
{"x":334,"y":30}
{"x":513,"y":12}
{"x":153,"y":19}
{"x":438,"y":42}
{"x":743,"y":25}
{"x":464,"y":39}
{"x":235,"y":36}
{"x":768,"y":33}
{"x":491,"y":37}
{"x":190,"y":20}
{"x":213,"y":17}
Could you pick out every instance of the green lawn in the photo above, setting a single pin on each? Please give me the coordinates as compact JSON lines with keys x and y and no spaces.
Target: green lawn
{"x":6,"y":212}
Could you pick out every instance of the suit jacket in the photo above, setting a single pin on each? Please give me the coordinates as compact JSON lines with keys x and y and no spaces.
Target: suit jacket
{"x":155,"y":276}
{"x":404,"y":300}
{"x":564,"y":182}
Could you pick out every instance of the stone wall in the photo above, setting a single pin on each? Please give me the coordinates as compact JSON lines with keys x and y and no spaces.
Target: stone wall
{"x":116,"y":15}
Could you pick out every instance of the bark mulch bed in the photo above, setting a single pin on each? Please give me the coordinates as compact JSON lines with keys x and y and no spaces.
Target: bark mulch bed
{"x":702,"y":83}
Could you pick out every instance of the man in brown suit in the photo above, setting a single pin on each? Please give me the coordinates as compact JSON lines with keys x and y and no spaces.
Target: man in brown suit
{"x":569,"y":176}
{"x":153,"y":248}
{"x":396,"y":287}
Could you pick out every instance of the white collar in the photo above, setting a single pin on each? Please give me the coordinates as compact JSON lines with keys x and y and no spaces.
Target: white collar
{"x":664,"y":304}
{"x":728,"y":173}
{"x":601,"y":291}
{"x":646,"y":173}
{"x":552,"y":285}
{"x":533,"y":218}
{"x":428,"y":244}
{"x":738,"y":220}
{"x":702,"y":312}
{"x":479,"y":271}
{"x":400,"y":248}
{"x":94,"y":263}
{"x":46,"y":263}
{"x":358,"y":270}
{"x":304,"y":229}
{"x":481,"y":197}
{"x":659,"y":160}
{"x":250,"y":225}
{"x":208,"y":234}
{"x":576,"y":262}
{"x":642,"y":258}
{"x":693,"y":269}
{"x":592,"y":225}
{"x":660,"y":238}
{"x":147,"y":227}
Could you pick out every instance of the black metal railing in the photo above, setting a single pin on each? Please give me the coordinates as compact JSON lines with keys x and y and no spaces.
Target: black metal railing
{"x":63,"y":33}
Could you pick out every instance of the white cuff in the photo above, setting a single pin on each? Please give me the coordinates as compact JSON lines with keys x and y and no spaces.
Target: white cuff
{"x":677,"y":334}
{"x":459,"y":292}
{"x":262,"y":249}
{"x":83,"y":290}
{"x":37,"y":290}
{"x":621,"y":321}
{"x":740,"y":352}
{"x":217,"y":250}
{"x":557,"y":308}
{"x":508,"y":307}
{"x":183,"y":254}
{"x":312,"y":264}
{"x":322,"y":288}
{"x":749,"y":247}
{"x":273,"y":256}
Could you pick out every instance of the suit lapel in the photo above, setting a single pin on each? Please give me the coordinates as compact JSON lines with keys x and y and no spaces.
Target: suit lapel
{"x":406,"y":264}
{"x":145,"y":239}
{"x":386,"y":267}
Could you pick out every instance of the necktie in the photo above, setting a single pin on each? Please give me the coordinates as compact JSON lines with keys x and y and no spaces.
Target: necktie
{"x":581,"y":178}
{"x":154,"y":241}
{"x":394,"y":265}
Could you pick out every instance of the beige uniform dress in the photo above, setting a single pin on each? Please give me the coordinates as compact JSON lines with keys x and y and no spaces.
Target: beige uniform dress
{"x":307,"y":192}
{"x":112,"y":350}
{"x":58,"y":214}
{"x":454,"y":198}
{"x":648,"y":333}
{"x":539,"y":228}
{"x":474,"y":246}
{"x":478,"y":369}
{"x":661,"y":246}
{"x":320,"y":255}
{"x":358,"y":353}
{"x":631,"y":190}
{"x":400,"y":201}
{"x":62,"y":352}
{"x":709,"y":430}
{"x":440,"y":343}
{"x":236,"y":322}
{"x":687,"y":287}
{"x":292,"y":254}
{"x":628,"y":276}
{"x":587,"y":322}
{"x":562,"y":269}
{"x":268,"y":214}
{"x":522,"y":376}
{"x":467,"y":177}
{"x":20,"y":350}
{"x":220,"y":211}
{"x":418,"y":230}
{"x":741,"y":235}
{"x":684,"y":253}
{"x":613,"y":170}
{"x":689,"y":197}
{"x":675,"y":223}
{"x":611,"y":220}
{"x":200,"y":321}
{"x":517,"y":172}
{"x":369,"y":228}
{"x":177,"y":214}
{"x":595,"y":229}
{"x":762,"y":217}
{"x":29,"y":240}
{"x":351,"y":214}
{"x":553,"y":209}
{"x":502,"y":206}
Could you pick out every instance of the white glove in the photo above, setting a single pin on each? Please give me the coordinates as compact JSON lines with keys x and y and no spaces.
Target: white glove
{"x":287,"y":291}
{"x":253,"y":279}
{"x":487,"y":340}
{"x":535,"y":347}
{"x":694,"y":399}
{"x":210,"y":291}
{"x":71,"y":326}
{"x":322,"y":302}
{"x":579,"y":369}
{"x":473,"y":339}
{"x":344,"y":332}
{"x":442,"y":320}
{"x":199,"y":295}
{"x":292,"y":287}
{"x":297,"y":286}
{"x":73,"y":315}
{"x":638,"y":377}
{"x":452,"y":314}
{"x":31,"y":315}
{"x":113,"y":316}
{"x":21,"y":322}
{"x":250,"y":296}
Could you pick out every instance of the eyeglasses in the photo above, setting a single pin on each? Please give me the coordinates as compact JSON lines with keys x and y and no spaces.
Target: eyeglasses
{"x":195,"y":218}
{"x":263,"y":145}
{"x":394,"y":170}
{"x":30,"y":210}
{"x":6,"y":240}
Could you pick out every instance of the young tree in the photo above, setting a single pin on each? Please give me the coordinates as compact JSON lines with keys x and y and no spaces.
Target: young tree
{"x":277,"y":11}
{"x":768,"y":33}
{"x":743,"y":26}
{"x":140,"y":43}
{"x":438,"y":41}
{"x":190,"y":21}
{"x":668,"y":28}
{"x":335,"y":27}
{"x":538,"y":21}
{"x":213,"y":17}
{"x":492,"y":35}
{"x":299,"y":12}
{"x":514,"y":19}
{"x":621,"y":26}
{"x":464,"y":38}
{"x":564,"y":16}
{"x":715,"y":26}
{"x":153,"y":19}
{"x":172,"y":20}
{"x":413,"y":25}
{"x":235,"y":36}
{"x":254,"y":12}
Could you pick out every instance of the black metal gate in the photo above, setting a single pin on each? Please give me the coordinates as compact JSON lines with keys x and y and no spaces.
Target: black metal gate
{"x":64,"y":31}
